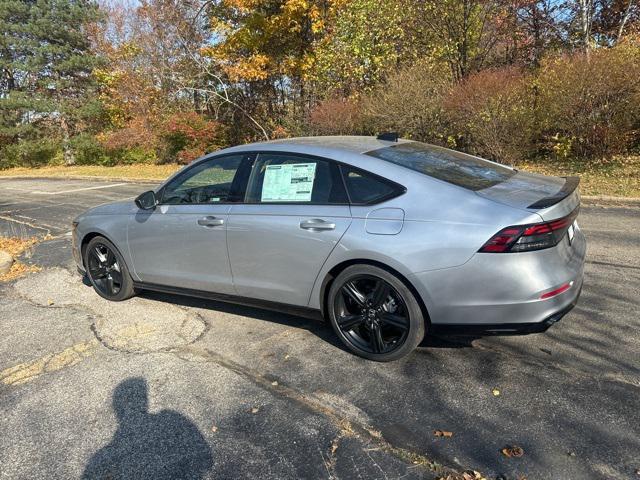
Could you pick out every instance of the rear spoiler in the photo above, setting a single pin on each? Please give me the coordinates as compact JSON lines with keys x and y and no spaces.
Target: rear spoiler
{"x":570,"y":184}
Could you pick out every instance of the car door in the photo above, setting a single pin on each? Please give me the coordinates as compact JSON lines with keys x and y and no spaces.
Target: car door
{"x":295,"y":212}
{"x":182,"y":242}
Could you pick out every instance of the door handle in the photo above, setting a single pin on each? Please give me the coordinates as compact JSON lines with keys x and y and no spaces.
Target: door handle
{"x":210,"y":221}
{"x":317,"y":224}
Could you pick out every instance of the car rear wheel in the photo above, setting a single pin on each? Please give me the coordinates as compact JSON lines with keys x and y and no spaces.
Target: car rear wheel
{"x":107,"y":271}
{"x":374,"y":313}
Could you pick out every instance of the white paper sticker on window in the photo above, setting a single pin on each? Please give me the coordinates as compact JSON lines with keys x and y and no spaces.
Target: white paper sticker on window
{"x":288,"y":183}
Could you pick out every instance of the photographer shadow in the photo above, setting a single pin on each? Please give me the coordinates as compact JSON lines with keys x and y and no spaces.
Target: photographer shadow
{"x":163,"y":445}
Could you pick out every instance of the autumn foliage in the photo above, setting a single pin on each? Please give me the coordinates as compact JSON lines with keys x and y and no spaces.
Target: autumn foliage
{"x":188,"y":135}
{"x":164,"y":81}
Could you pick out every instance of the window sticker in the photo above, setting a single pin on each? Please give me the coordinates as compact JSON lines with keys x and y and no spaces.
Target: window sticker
{"x":288,"y":183}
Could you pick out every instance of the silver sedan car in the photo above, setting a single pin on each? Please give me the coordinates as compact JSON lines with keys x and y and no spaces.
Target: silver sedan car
{"x":386,"y":238}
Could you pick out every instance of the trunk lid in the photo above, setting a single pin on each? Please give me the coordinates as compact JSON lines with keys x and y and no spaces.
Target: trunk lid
{"x":549,"y":197}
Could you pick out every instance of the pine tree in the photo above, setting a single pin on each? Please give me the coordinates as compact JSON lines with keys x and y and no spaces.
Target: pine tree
{"x":46,"y":86}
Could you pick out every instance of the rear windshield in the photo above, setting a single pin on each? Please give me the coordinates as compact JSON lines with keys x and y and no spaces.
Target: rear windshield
{"x":448,"y":165}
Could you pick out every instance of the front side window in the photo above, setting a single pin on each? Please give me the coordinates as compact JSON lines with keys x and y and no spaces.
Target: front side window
{"x":450,"y":166}
{"x":290,"y":178}
{"x":218,"y":180}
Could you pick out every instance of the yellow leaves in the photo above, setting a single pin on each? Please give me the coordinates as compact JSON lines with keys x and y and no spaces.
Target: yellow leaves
{"x":128,"y":51}
{"x":442,"y":433}
{"x":249,"y":69}
{"x":258,"y":39}
{"x":317,"y":22}
{"x":495,"y":392}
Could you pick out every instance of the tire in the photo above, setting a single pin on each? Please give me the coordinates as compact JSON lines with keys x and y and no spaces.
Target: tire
{"x":374,"y":313}
{"x":107,"y":271}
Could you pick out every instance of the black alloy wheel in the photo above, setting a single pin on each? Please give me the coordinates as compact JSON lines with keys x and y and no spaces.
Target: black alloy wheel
{"x":375,"y":315}
{"x":104,"y":270}
{"x":107,"y":271}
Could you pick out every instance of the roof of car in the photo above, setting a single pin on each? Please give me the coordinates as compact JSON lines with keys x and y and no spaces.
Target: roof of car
{"x":352,"y":143}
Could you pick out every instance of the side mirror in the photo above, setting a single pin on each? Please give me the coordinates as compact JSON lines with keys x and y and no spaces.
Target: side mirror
{"x":147,"y":200}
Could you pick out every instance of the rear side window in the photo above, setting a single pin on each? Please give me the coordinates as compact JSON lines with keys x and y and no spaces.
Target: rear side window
{"x":365,"y":188}
{"x":450,"y":166}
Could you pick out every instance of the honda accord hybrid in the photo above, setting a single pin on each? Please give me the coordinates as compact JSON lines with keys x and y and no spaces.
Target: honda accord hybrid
{"x":388,"y":239}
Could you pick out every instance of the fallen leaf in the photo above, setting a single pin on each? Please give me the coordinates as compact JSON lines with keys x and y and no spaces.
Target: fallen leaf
{"x":513,"y":451}
{"x":495,"y":392}
{"x":442,"y":433}
{"x":214,"y":429}
{"x":472,"y":475}
{"x":255,"y":410}
{"x":50,"y":302}
{"x":274,"y":383}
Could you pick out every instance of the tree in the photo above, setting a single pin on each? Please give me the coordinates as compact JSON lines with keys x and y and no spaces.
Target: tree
{"x":461,"y":32}
{"x":364,"y":41}
{"x":615,"y":19}
{"x":45,"y":77}
{"x":537,"y":29}
{"x":263,"y":49}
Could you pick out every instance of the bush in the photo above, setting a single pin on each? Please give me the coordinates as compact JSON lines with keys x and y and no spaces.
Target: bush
{"x":410,"y":102}
{"x":87,"y":150}
{"x":336,"y":116}
{"x":589,"y":106}
{"x":187,"y":136}
{"x":30,"y":153}
{"x":492,"y":113}
{"x":131,"y":156}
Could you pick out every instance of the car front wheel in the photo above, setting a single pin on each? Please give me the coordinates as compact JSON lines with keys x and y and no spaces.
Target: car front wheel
{"x":374,"y":313}
{"x":107,"y":271}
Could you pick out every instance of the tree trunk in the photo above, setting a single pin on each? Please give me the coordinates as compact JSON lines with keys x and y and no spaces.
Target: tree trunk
{"x":67,"y":152}
{"x":586,"y":22}
{"x":625,"y":19}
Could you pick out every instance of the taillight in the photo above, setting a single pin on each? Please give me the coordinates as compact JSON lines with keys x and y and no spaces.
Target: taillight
{"x":525,"y":238}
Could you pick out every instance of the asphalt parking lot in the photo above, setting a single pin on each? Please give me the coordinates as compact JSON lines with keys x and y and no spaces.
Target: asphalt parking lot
{"x":162,"y":386}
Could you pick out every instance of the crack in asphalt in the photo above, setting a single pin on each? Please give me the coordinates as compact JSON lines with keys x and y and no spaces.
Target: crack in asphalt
{"x":346,"y":426}
{"x":609,"y":264}
{"x":28,"y":224}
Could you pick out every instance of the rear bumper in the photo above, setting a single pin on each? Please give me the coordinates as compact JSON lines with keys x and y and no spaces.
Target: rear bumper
{"x":505,"y":328}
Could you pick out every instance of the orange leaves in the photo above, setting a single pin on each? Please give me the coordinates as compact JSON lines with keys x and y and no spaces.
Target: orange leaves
{"x":513,"y":451}
{"x":442,"y":433}
{"x":188,"y":135}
